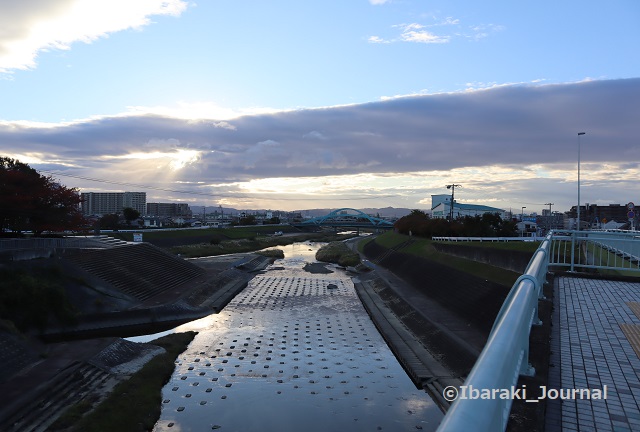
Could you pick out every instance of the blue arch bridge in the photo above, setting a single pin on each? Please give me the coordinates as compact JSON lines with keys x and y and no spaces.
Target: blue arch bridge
{"x":346,"y":218}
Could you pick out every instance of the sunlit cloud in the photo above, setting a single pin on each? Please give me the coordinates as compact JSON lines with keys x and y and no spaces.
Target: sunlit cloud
{"x":34,"y":26}
{"x":432,"y":33}
{"x":511,"y":145}
{"x":201,"y":110}
{"x":415,"y":33}
{"x":174,"y":160}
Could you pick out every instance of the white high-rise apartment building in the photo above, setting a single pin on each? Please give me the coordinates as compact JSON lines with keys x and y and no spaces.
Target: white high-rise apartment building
{"x":102,"y":203}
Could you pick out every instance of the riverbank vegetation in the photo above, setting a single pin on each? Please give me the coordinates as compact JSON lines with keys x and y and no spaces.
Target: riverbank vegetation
{"x":425,"y":248}
{"x":134,"y":404}
{"x":338,"y":252}
{"x":33,"y":298}
{"x":250,"y":244}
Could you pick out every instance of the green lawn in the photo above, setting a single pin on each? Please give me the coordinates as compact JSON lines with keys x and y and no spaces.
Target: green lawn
{"x":231,"y":233}
{"x":424,"y":248}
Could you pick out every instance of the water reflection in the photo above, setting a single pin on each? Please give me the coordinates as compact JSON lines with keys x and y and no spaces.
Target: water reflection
{"x":289,"y":353}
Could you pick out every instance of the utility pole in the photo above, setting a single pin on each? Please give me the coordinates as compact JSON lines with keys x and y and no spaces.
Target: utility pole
{"x":579,"y":134}
{"x":453,"y":188}
{"x":550,"y":218}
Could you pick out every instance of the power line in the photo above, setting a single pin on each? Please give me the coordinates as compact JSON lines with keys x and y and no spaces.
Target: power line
{"x":209,"y":194}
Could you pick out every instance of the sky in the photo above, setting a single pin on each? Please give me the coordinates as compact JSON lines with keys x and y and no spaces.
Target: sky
{"x":325,"y":104}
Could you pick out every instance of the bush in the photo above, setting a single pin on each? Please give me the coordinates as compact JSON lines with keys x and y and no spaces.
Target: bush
{"x":31,"y":300}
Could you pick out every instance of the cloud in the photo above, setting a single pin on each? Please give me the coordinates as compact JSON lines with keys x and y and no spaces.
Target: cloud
{"x":421,"y":33}
{"x":315,"y":135}
{"x":415,"y":33}
{"x":28,"y":27}
{"x":377,"y":39}
{"x":378,"y":2}
{"x":516,"y":142}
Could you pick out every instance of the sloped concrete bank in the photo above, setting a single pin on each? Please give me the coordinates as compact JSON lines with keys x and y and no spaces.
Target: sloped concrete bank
{"x":513,"y":260}
{"x":199,"y":298}
{"x":70,"y":372}
{"x":450,"y":314}
{"x":39,"y":380}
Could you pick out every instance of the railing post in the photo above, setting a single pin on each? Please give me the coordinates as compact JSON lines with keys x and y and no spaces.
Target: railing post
{"x":573,"y":249}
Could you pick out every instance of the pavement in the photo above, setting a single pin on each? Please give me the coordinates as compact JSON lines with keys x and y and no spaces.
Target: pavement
{"x":595,"y":344}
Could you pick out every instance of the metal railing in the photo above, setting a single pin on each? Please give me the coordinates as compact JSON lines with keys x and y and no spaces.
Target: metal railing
{"x":506,"y":353}
{"x":610,"y":250}
{"x":50,"y":243}
{"x":489,"y":239}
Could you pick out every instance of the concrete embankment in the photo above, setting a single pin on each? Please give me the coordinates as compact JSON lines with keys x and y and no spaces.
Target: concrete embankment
{"x":513,"y":260}
{"x":435,"y":321}
{"x":169,"y":305}
{"x":450,"y":314}
{"x":39,"y":380}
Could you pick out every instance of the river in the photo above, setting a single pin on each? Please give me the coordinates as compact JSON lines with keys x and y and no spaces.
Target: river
{"x":293,"y":351}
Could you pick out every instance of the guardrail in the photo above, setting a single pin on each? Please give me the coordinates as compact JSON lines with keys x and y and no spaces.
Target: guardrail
{"x":488,"y":239}
{"x":505,"y":355}
{"x":49,"y":243}
{"x":612,"y":250}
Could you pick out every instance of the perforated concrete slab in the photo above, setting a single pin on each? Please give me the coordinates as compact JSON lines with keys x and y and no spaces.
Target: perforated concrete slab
{"x":293,"y":351}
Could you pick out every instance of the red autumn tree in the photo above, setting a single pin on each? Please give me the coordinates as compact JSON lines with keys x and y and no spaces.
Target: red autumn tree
{"x":31,"y":201}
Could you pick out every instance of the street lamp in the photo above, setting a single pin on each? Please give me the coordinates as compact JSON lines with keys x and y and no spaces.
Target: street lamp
{"x":579,"y":135}
{"x":522,"y":219}
{"x":453,"y":188}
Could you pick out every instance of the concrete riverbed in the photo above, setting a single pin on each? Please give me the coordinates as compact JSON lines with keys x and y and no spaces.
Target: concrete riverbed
{"x":294,"y":350}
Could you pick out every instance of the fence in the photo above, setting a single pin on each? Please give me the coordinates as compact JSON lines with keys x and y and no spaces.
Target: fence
{"x":506,"y":353}
{"x":32,"y":248}
{"x":610,"y":250}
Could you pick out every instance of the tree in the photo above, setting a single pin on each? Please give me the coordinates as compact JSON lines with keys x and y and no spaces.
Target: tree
{"x":31,"y":201}
{"x":109,"y":221}
{"x":248,"y":220}
{"x":130,"y":214}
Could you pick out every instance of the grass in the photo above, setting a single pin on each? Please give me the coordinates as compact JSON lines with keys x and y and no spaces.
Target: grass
{"x":525,"y":246}
{"x":605,"y":256}
{"x":424,"y":248}
{"x":134,"y":404}
{"x":338,"y":253}
{"x":249,"y":245}
{"x":272,"y":253}
{"x":33,"y":298}
{"x":230,"y":233}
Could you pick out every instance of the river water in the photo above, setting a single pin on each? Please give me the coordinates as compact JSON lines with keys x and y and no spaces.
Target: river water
{"x":294,"y":351}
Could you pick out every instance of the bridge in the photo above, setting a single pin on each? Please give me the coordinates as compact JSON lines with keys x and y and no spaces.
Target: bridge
{"x":346,"y":218}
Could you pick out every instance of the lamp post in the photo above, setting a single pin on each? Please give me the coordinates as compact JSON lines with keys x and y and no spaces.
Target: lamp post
{"x":579,"y":135}
{"x":453,"y":188}
{"x":522,"y":220}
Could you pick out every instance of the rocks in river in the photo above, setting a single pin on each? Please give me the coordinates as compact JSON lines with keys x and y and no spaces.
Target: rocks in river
{"x":317,"y":268}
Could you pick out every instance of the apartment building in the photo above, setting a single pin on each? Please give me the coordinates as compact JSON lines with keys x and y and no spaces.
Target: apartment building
{"x":102,"y":203}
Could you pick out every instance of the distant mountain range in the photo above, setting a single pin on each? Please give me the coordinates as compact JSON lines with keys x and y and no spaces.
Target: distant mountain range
{"x":382,"y":212}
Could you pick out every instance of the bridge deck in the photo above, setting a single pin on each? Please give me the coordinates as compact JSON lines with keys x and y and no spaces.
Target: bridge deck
{"x":595,"y":343}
